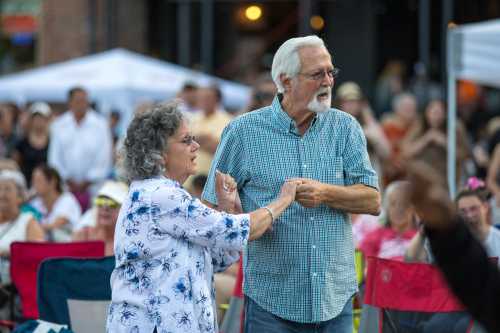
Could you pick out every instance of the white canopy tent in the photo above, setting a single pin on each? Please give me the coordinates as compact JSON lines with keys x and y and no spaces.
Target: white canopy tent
{"x":473,"y":53}
{"x":116,"y":79}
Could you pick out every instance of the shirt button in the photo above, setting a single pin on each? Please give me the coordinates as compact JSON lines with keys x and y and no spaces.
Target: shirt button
{"x":314,"y":274}
{"x":312,"y":218}
{"x":314,"y":247}
{"x":305,"y":165}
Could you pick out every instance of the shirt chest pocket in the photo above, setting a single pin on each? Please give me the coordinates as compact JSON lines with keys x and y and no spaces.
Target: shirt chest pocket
{"x":331,"y":171}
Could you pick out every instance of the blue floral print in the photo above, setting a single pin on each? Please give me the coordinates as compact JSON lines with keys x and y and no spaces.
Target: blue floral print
{"x":167,"y":247}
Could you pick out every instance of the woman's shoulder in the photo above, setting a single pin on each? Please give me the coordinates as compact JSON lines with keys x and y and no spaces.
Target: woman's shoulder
{"x":157,"y":189}
{"x":67,"y":199}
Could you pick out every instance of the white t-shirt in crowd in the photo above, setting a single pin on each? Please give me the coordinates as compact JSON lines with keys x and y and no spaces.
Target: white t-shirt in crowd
{"x":66,"y":206}
{"x":492,"y":243}
{"x":81,"y":151}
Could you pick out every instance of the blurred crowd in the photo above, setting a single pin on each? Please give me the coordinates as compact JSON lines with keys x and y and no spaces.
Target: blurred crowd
{"x":60,"y":177}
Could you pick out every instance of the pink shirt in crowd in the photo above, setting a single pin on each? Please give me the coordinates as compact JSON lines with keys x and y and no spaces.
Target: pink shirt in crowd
{"x":387,"y":243}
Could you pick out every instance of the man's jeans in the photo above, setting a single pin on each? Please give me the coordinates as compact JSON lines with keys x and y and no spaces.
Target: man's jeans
{"x":258,"y":320}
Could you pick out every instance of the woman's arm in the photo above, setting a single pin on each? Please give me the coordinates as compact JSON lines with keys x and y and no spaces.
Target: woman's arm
{"x":493,"y":172}
{"x":34,"y":233}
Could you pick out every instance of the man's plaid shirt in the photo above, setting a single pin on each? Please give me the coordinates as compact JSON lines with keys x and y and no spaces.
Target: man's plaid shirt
{"x":302,"y":270}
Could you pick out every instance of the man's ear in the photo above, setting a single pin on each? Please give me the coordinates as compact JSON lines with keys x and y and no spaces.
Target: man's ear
{"x":285,"y":82}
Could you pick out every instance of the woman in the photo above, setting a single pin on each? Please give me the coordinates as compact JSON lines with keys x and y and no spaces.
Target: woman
{"x":392,"y":241}
{"x":32,"y":149}
{"x":167,"y":243}
{"x":99,"y":222}
{"x":60,"y":209}
{"x":428,"y":141}
{"x":14,"y":225}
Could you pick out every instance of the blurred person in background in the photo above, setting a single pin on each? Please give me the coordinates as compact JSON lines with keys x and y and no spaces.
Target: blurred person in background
{"x":14,"y":224}
{"x":472,"y":276}
{"x":263,"y":92}
{"x":493,"y":182}
{"x":197,"y":185}
{"x":80,"y":147}
{"x":207,"y":127}
{"x":99,"y":222}
{"x":428,"y":141}
{"x":32,"y":149}
{"x":390,"y":83}
{"x":59,"y":209}
{"x":350,"y":99}
{"x":396,"y":126}
{"x":189,"y":96}
{"x":114,"y":122}
{"x":8,"y":133}
{"x":473,"y":207}
{"x":399,"y":221}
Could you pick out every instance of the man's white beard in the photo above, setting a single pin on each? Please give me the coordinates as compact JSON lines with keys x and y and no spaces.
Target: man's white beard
{"x":318,"y":107}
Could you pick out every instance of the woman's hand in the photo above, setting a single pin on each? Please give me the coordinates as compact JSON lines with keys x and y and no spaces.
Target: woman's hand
{"x":289,"y":189}
{"x":227,"y":193}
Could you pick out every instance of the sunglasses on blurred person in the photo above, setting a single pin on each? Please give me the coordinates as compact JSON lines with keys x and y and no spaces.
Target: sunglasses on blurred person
{"x":104,"y":202}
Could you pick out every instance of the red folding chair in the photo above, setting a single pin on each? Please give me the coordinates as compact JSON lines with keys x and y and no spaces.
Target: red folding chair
{"x":411,"y":297}
{"x":25,"y":258}
{"x":234,"y":316}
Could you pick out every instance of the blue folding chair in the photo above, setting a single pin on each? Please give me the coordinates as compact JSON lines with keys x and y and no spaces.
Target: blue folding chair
{"x":63,"y":279}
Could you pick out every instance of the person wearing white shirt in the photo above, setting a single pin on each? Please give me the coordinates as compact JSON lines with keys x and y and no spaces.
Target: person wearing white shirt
{"x":59,"y":209}
{"x":80,"y":147}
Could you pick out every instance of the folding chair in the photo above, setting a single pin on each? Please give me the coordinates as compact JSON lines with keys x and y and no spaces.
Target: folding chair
{"x":234,"y":316}
{"x":75,"y":292}
{"x":410,"y":297}
{"x":25,"y":258}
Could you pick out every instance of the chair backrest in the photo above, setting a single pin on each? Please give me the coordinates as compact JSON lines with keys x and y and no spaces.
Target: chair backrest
{"x":64,"y":284}
{"x":25,"y":258}
{"x":410,"y":297}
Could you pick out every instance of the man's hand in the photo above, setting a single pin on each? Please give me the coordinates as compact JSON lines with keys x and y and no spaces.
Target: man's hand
{"x":309,"y":192}
{"x":429,"y":196}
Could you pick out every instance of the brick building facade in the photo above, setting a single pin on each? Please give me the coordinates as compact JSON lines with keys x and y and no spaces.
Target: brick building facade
{"x":73,"y":28}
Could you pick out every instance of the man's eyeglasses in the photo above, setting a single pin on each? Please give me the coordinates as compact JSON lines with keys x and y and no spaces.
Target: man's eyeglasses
{"x":319,"y":75}
{"x":106,"y":202}
{"x":188,"y":140}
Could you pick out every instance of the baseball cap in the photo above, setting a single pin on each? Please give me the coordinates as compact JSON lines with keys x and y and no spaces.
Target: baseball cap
{"x":114,"y":190}
{"x":40,"y":108}
{"x":349,"y":91}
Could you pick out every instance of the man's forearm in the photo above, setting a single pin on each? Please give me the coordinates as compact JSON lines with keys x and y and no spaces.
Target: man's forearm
{"x":359,"y":199}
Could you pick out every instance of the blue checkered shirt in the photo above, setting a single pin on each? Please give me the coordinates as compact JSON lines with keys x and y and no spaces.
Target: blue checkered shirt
{"x":302,"y":270}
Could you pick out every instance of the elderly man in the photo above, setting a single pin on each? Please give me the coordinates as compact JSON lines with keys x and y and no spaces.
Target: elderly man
{"x":300,"y":275}
{"x":80,"y":147}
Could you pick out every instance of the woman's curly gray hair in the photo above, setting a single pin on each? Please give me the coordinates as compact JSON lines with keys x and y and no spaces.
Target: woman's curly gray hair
{"x":146,"y":140}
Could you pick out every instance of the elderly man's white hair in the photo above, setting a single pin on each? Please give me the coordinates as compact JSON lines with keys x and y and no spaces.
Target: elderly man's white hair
{"x":286,"y":60}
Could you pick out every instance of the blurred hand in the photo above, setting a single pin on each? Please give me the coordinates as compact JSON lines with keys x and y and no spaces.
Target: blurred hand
{"x":429,"y":196}
{"x":309,"y":192}
{"x":227,"y":193}
{"x":438,"y":137}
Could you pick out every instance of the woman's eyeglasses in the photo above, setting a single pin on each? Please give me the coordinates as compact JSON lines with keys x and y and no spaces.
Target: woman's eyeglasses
{"x":188,"y":140}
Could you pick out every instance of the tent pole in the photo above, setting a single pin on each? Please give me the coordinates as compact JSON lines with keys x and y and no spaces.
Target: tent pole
{"x":452,"y":114}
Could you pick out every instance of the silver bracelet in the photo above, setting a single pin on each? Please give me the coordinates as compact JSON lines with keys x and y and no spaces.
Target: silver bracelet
{"x":270,"y":211}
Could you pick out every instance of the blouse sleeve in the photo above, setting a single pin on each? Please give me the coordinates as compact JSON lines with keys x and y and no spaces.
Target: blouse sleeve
{"x":175,"y":212}
{"x":222,"y":259}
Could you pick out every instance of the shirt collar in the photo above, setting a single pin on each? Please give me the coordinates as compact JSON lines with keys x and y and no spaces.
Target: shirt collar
{"x":284,"y":120}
